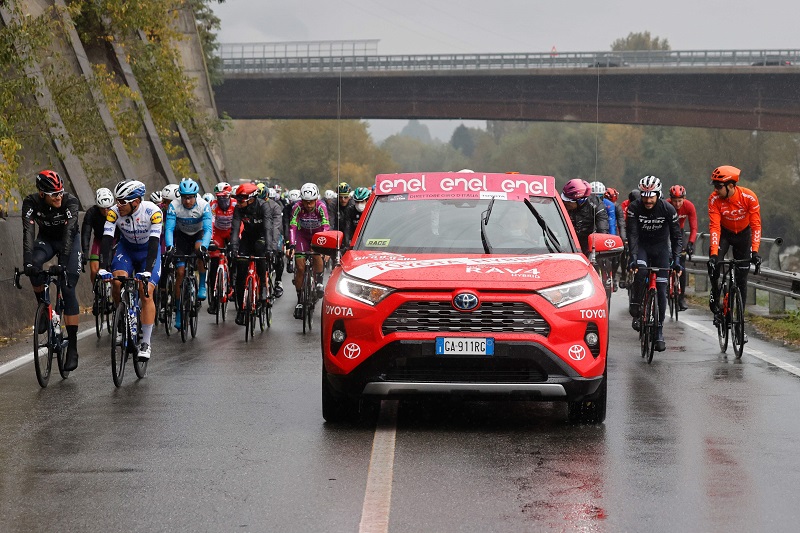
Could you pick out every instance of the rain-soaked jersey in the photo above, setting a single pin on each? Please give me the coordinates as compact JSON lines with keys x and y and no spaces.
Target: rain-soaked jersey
{"x":734,"y":214}
{"x":138,"y":227}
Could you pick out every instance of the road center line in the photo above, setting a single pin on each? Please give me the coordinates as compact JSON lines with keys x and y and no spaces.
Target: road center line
{"x":749,"y":351}
{"x":378,"y":496}
{"x":28,"y":357}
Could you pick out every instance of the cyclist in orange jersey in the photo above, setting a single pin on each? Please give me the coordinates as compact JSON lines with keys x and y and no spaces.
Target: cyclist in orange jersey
{"x":734,"y":220}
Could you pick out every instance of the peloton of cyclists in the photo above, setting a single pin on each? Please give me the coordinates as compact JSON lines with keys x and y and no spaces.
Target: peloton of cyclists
{"x":138,"y":250}
{"x":654,"y":239}
{"x":55,"y":212}
{"x":686,"y":212}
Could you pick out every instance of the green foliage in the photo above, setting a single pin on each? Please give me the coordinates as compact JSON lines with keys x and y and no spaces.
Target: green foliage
{"x":412,"y":155}
{"x":208,"y":24}
{"x":640,"y":41}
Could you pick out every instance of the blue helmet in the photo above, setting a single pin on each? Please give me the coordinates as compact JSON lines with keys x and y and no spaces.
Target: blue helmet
{"x":188,"y":187}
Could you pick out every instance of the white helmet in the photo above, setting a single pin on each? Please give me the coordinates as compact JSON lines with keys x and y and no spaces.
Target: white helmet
{"x":170,"y":192}
{"x":104,"y":197}
{"x":598,"y":189}
{"x":650,"y":186}
{"x":329,"y":194}
{"x":272,"y":193}
{"x":234,"y":189}
{"x":294,"y":195}
{"x":309,"y":192}
{"x":208,"y":197}
{"x":156,"y":197}
{"x":129,"y":190}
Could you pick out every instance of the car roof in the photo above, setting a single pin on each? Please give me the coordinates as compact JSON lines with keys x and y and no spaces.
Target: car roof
{"x":444,"y":185}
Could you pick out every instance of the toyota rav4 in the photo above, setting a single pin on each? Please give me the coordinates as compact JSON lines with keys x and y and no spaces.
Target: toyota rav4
{"x":464,"y":284}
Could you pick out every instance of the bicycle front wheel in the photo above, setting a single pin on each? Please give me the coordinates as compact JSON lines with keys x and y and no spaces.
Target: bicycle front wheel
{"x":672,"y":296}
{"x":99,"y":306}
{"x":737,"y":322}
{"x":193,"y":314}
{"x":186,"y":298}
{"x":119,"y":350}
{"x":217,"y":294}
{"x":248,"y":289}
{"x":722,"y":321}
{"x":60,"y":345}
{"x":649,"y":325}
{"x":42,"y":344}
{"x":168,"y":303}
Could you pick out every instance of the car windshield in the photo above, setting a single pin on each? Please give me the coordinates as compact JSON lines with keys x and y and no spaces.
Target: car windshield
{"x":399,"y":225}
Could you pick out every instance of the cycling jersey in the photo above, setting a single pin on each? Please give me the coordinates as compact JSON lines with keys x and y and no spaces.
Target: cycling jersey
{"x":611,"y":209}
{"x":140,"y":236}
{"x":304,"y":224}
{"x":734,"y":214}
{"x":56,"y":224}
{"x":656,"y":226}
{"x":189,"y":221}
{"x":688,"y":212}
{"x":256,"y":222}
{"x":92,"y":230}
{"x":590,"y":217}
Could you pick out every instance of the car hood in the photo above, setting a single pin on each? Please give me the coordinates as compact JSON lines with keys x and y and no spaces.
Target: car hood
{"x":425,"y":271}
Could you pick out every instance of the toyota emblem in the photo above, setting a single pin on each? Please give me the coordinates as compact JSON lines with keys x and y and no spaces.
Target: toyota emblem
{"x":610,"y":243}
{"x":465,"y":301}
{"x":352,"y":350}
{"x":321,"y":241}
{"x":577,"y":352}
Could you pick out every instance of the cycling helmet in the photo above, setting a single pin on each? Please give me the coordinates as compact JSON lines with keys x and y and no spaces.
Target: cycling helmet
{"x":170,"y":192}
{"x":129,"y":190}
{"x":612,"y":194}
{"x":294,"y":195}
{"x":634,"y":195}
{"x":272,"y":193}
{"x":104,"y":198}
{"x":49,"y":181}
{"x":262,"y":190}
{"x":309,"y":192}
{"x":677,"y":191}
{"x":598,"y":188}
{"x":576,"y":190}
{"x":156,"y":197}
{"x":725,"y":173}
{"x":361,"y":194}
{"x":246,"y":190}
{"x":344,"y":189}
{"x":208,"y":197}
{"x":188,"y":187}
{"x":650,"y":186}
{"x":330,"y":194}
{"x":234,"y":190}
{"x":222,"y":187}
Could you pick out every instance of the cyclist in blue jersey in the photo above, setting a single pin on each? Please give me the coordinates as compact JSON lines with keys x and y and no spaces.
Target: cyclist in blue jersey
{"x":188,"y":230}
{"x":138,"y":250}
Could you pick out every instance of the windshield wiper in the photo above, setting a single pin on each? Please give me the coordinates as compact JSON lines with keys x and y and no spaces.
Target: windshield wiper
{"x":548,"y":233}
{"x":484,"y":222}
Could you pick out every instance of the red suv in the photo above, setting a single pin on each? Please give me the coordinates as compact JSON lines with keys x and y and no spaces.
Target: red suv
{"x":468,"y":284}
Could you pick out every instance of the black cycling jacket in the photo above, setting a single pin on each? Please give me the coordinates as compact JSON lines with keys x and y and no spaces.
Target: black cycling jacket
{"x":55,"y":224}
{"x":591,"y":217}
{"x":93,"y":223}
{"x":653,"y":226}
{"x":256,"y":221}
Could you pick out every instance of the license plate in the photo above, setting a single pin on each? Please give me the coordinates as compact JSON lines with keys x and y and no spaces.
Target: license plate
{"x":464,"y":346}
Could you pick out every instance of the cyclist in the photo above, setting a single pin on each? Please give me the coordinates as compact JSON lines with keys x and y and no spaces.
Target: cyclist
{"x":292,"y":197}
{"x":686,"y":211}
{"x":188,"y":230}
{"x":92,"y":231}
{"x":354,"y":210}
{"x":331,"y":199}
{"x":654,"y":239}
{"x":586,"y":213}
{"x":168,"y":194}
{"x":253,"y":232}
{"x":612,"y":196}
{"x":309,"y":216}
{"x":632,"y":197}
{"x":734,"y":220}
{"x":55,"y":211}
{"x":599,"y":192}
{"x":138,"y":250}
{"x":278,"y":263}
{"x":339,"y":217}
{"x":222,"y":208}
{"x":208,"y":197}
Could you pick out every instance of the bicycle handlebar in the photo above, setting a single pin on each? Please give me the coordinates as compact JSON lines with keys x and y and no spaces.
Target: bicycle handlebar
{"x":125,"y":279}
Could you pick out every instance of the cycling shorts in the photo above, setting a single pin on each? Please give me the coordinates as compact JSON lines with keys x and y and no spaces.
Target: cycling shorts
{"x":132,"y":259}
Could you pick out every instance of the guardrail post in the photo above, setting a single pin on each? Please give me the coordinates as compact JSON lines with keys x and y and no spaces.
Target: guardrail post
{"x":700,"y":280}
{"x":777,"y":302}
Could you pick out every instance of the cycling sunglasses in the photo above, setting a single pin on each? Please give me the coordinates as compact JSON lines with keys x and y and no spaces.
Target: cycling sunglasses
{"x":718,"y":184}
{"x":57,"y":194}
{"x":121,"y":201}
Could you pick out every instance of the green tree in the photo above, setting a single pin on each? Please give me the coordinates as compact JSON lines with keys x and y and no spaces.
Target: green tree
{"x":416,"y":130}
{"x":640,"y":41}
{"x":463,"y":141}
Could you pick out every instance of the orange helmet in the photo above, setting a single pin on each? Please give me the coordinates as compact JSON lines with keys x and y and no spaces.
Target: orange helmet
{"x":725,"y":173}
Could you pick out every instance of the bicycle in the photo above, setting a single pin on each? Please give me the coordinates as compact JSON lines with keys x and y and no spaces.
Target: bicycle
{"x":188,"y":291}
{"x":127,"y":325}
{"x":101,"y":306}
{"x":52,"y":341}
{"x":166,"y":301}
{"x":219,"y":290}
{"x":648,"y":329}
{"x":308,"y":291}
{"x":729,"y":318}
{"x":251,"y":306}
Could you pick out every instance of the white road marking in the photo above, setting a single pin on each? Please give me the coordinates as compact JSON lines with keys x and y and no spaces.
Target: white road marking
{"x":28,"y":357}
{"x":378,"y":496}
{"x":748,"y":350}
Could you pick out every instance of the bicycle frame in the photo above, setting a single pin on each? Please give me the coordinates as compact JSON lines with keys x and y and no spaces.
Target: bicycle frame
{"x":252,"y":288}
{"x":730,"y":318}
{"x":649,"y":314}
{"x":126,"y":322}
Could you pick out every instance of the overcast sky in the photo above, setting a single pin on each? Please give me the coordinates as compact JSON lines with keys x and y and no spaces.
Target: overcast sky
{"x":481,"y":26}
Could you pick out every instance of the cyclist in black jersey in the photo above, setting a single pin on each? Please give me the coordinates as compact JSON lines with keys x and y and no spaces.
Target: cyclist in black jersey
{"x":55,"y":211}
{"x":92,"y":229}
{"x":654,"y":239}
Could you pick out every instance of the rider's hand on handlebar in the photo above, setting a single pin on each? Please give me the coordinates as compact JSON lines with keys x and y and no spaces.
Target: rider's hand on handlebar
{"x":690,"y":249}
{"x":31,"y":270}
{"x":712,"y":262}
{"x":104,"y":274}
{"x":755,"y":258}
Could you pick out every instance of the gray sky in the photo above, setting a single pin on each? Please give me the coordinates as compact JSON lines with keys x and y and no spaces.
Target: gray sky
{"x":481,"y":26}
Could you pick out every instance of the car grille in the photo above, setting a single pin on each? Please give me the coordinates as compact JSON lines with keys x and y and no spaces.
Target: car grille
{"x":490,"y":317}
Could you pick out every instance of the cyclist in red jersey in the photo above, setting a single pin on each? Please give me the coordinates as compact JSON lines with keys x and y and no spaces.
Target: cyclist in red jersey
{"x":686,"y":211}
{"x":222,"y":207}
{"x":734,"y":220}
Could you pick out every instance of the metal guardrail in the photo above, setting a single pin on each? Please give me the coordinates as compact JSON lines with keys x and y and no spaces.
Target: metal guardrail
{"x":780,"y":284}
{"x":246,"y":61}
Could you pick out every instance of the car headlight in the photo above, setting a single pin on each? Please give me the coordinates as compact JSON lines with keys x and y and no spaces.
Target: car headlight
{"x":360,"y":290}
{"x":569,"y":293}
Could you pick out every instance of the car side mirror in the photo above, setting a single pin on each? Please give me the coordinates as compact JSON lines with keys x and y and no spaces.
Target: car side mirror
{"x":605,"y":245}
{"x":327,"y":242}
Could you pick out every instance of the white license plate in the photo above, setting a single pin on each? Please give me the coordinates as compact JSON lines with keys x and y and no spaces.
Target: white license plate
{"x":464,"y":346}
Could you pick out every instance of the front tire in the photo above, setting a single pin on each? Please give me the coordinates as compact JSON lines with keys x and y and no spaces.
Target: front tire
{"x":722,"y":327}
{"x":591,"y":411}
{"x":737,"y":323}
{"x":119,"y":352}
{"x":42,"y":345}
{"x":336,"y":407}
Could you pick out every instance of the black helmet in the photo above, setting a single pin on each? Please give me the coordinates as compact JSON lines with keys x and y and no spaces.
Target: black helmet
{"x":634,"y":195}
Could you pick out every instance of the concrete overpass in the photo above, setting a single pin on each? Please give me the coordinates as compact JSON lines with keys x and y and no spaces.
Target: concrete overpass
{"x":708,"y":89}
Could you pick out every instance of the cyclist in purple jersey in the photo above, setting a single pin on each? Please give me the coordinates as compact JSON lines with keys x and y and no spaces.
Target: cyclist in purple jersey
{"x":309,"y":216}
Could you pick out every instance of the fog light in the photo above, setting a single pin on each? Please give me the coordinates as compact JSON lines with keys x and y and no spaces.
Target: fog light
{"x":339,"y":336}
{"x":592,"y":338}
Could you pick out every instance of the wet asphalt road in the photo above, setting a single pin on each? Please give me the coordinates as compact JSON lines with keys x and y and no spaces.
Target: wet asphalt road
{"x":228,"y":436}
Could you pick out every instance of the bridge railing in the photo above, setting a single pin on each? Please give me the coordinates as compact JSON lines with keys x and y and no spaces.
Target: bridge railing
{"x":249,"y":63}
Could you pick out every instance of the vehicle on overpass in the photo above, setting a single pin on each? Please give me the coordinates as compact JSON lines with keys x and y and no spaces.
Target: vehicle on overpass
{"x":464,"y":284}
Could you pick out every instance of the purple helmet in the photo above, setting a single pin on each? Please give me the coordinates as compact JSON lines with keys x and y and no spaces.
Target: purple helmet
{"x":576,"y":190}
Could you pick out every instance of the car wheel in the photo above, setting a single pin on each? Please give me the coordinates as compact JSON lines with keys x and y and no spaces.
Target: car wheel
{"x":337,"y":407}
{"x":590,"y":411}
